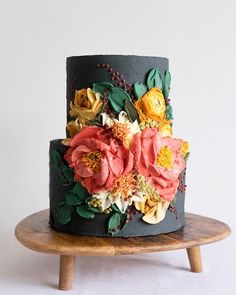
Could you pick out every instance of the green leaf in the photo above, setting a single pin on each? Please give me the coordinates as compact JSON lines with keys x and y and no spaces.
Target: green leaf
{"x":166,"y":86}
{"x":186,"y":157}
{"x":66,"y":175}
{"x":80,"y":191}
{"x":63,"y":214}
{"x":102,"y":86}
{"x":114,"y":223}
{"x":55,"y":159}
{"x":131,"y":111}
{"x":139,"y":89}
{"x":115,"y":208}
{"x":84,"y":212}
{"x":169,"y":112}
{"x":117,"y":97}
{"x":72,"y":199}
{"x":154,"y":79}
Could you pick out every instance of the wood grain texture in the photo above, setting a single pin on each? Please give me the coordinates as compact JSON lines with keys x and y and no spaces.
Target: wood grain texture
{"x":34,"y":233}
{"x":66,"y":272}
{"x":195,"y":260}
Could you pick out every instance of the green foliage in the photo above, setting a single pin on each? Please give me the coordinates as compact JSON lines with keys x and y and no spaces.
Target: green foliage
{"x":63,"y":214}
{"x":102,"y":86}
{"x":154,"y":79}
{"x":55,"y":159}
{"x":131,"y":111}
{"x":85,"y":212}
{"x":169,"y":112}
{"x":139,"y":89}
{"x":65,"y":173}
{"x":72,"y":199}
{"x":166,"y":84}
{"x":117,"y":222}
{"x":80,"y":191}
{"x":117,"y":98}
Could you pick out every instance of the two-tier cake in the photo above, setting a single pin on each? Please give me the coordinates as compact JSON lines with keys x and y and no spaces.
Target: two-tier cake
{"x":119,"y":172}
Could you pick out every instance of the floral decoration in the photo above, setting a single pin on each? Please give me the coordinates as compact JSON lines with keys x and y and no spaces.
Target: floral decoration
{"x":121,"y":155}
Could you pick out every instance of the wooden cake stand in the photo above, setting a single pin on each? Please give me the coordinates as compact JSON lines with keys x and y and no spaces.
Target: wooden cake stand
{"x":34,"y":233}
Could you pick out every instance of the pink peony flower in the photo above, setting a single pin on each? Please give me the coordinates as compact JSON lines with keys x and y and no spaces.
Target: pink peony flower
{"x":159,"y":159}
{"x":97,"y":158}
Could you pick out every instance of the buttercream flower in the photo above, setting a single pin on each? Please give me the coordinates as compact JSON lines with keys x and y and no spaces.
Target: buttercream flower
{"x":160,"y":160}
{"x":123,"y":193}
{"x":98,"y":159}
{"x":151,"y":105}
{"x":122,"y":128}
{"x":153,"y":208}
{"x":151,"y":108}
{"x":86,"y":105}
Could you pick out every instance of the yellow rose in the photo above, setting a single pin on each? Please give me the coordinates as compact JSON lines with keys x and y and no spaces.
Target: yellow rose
{"x":87,"y":104}
{"x":151,"y":105}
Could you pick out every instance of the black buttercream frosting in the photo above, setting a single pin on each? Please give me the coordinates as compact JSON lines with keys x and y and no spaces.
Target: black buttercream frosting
{"x":82,"y":72}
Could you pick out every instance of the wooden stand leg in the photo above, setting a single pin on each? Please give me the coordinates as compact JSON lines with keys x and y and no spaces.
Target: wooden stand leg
{"x":66,"y":272}
{"x":194,"y":256}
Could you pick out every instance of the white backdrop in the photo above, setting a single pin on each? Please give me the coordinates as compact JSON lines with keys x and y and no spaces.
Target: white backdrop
{"x":199,"y":39}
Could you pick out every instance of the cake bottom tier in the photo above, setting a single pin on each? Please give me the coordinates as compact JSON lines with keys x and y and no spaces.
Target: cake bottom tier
{"x":98,"y":226}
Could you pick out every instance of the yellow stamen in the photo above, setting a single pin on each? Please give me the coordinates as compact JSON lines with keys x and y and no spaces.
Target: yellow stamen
{"x":120,"y":130}
{"x":164,"y":157}
{"x":92,"y":160}
{"x":124,"y":185}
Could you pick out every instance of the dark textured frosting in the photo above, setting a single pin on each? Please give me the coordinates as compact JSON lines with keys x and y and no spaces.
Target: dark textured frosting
{"x":82,"y":71}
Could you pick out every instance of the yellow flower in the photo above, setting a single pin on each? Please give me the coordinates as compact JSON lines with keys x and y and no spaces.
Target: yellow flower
{"x":87,"y":104}
{"x":151,"y":105}
{"x":151,"y":108}
{"x":153,"y":208}
{"x":73,"y":127}
{"x":185,"y":148}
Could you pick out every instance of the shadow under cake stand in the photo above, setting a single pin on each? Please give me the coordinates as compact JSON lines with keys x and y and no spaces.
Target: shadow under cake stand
{"x":34,"y":233}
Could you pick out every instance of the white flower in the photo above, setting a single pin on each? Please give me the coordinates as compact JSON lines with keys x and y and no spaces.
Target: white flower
{"x":122,"y":128}
{"x":105,"y":198}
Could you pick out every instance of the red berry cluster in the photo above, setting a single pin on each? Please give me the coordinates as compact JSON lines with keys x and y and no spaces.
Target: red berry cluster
{"x":182,"y":186}
{"x":118,"y":79}
{"x":173,"y":209}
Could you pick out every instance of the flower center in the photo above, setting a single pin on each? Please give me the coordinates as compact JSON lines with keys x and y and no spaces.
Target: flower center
{"x":92,"y":160}
{"x":124,"y":185}
{"x":120,"y":130}
{"x":164,"y":157}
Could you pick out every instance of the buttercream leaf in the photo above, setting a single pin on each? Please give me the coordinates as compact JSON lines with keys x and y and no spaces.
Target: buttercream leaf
{"x":114,"y":223}
{"x":117,"y":97}
{"x":139,"y":89}
{"x":80,"y":191}
{"x":55,"y":159}
{"x":131,"y":111}
{"x":84,"y":212}
{"x":166,"y":86}
{"x":72,"y":199}
{"x":154,"y":79}
{"x":102,"y":86}
{"x":63,"y":214}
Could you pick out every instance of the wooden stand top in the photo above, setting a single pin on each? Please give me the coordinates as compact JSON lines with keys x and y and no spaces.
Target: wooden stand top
{"x":34,"y":233}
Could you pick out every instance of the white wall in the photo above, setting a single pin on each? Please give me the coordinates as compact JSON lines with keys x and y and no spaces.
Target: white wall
{"x":198,"y":37}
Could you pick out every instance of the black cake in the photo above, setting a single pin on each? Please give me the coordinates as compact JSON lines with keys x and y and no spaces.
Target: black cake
{"x":84,"y":72}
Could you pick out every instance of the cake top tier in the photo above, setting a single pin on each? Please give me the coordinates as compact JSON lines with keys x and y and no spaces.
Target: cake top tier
{"x":120,"y":70}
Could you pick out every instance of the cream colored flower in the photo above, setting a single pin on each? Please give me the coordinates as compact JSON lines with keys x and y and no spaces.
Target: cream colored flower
{"x":122,"y":128}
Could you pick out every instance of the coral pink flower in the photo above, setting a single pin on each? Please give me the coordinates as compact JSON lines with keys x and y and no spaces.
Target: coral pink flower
{"x":97,"y":158}
{"x":159,"y":159}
